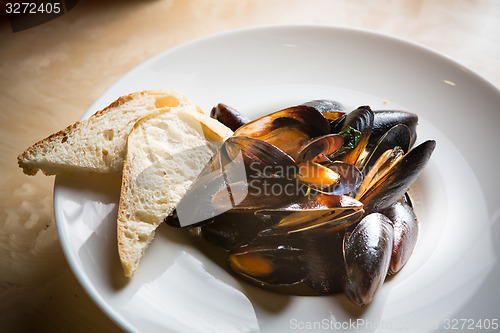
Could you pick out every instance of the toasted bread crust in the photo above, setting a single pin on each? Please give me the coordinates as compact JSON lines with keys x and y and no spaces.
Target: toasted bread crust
{"x":129,"y":241}
{"x":126,"y":264}
{"x":26,"y":160}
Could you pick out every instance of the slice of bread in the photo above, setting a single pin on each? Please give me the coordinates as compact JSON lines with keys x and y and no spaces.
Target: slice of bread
{"x":166,"y":151}
{"x":96,"y":144}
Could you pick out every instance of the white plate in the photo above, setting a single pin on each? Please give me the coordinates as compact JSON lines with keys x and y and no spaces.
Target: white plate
{"x":453,"y":272}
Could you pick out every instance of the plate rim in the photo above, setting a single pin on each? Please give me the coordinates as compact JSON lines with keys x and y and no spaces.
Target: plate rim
{"x":344,"y":28}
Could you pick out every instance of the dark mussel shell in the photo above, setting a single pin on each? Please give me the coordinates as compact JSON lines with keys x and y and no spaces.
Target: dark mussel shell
{"x":350,"y":178}
{"x":322,"y":214}
{"x":317,"y":149}
{"x":336,"y":124}
{"x":234,"y":177}
{"x":395,"y":183}
{"x":270,"y":177}
{"x":330,"y":109}
{"x":304,"y":118}
{"x":406,"y":228}
{"x":397,"y":136}
{"x":385,"y":119}
{"x":269,"y":265}
{"x":325,"y":262}
{"x":319,"y":213}
{"x":234,"y":228}
{"x":378,"y":170}
{"x":367,"y":254}
{"x":316,"y":176}
{"x":316,"y":260}
{"x":229,"y":116}
{"x":287,"y":129}
{"x":361,"y":120}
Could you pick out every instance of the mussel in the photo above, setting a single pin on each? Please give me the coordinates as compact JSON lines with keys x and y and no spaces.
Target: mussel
{"x":287,"y":129}
{"x":330,"y":109}
{"x":393,"y":182}
{"x":406,"y":227}
{"x":229,"y":116}
{"x":269,"y":265}
{"x":367,"y":254}
{"x":359,"y":121}
{"x":386,"y":119}
{"x":311,"y":195}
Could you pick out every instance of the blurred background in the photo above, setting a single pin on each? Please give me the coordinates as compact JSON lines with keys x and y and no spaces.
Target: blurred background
{"x":52,"y":72}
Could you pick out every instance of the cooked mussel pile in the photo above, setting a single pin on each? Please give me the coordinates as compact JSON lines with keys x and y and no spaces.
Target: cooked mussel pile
{"x":311,"y":195}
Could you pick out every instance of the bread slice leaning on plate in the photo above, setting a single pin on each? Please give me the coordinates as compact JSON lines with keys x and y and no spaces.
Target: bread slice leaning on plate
{"x":96,"y":144}
{"x":166,"y":151}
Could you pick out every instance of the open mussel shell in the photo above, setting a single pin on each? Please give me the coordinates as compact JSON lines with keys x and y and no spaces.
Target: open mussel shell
{"x":367,"y":254}
{"x":329,"y":108}
{"x":312,"y":221}
{"x":319,"y":213}
{"x":304,"y":118}
{"x":271,"y":265}
{"x":406,"y":228}
{"x":229,"y":116}
{"x":318,"y":148}
{"x":257,"y":154}
{"x":323,"y":214}
{"x":385,"y":119}
{"x":394,"y":183}
{"x":349,"y":178}
{"x":270,"y":177}
{"x":233,"y":178}
{"x":361,"y":120}
{"x":336,"y":124}
{"x":397,"y":136}
{"x":287,"y":129}
{"x":376,"y":172}
{"x":317,"y":176}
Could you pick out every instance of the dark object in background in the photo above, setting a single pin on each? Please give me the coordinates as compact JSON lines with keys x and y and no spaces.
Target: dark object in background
{"x":24,"y":14}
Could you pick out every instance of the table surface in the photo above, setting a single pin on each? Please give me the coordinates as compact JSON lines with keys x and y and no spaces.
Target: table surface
{"x":51,"y":73}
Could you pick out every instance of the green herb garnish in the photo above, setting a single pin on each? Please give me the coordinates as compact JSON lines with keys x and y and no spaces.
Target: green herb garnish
{"x":351,"y":139}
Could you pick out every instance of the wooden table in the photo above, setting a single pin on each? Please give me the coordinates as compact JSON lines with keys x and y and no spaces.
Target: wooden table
{"x":51,"y":73}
